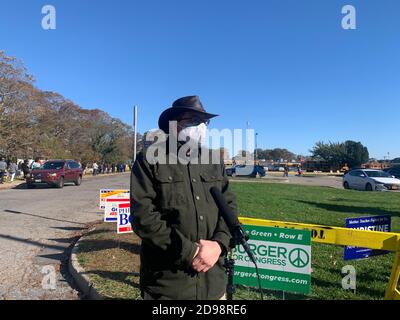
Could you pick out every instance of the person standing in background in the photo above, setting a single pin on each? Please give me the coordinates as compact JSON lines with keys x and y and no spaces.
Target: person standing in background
{"x":36,"y":164}
{"x":3,"y":168}
{"x":25,"y":168}
{"x":95,"y":168}
{"x":12,"y":170}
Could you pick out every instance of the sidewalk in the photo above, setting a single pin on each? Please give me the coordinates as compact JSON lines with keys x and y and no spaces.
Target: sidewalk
{"x":10,"y":185}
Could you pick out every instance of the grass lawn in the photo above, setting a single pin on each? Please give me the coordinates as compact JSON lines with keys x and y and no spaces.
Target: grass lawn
{"x":113,"y":262}
{"x":327,"y":206}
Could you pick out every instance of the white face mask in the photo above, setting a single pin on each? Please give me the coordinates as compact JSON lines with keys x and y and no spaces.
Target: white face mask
{"x":196,"y":134}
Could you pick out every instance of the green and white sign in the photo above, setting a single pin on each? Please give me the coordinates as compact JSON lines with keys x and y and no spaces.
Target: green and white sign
{"x":283,"y":257}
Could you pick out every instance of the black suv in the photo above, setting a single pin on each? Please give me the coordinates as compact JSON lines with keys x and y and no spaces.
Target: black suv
{"x":394,"y":171}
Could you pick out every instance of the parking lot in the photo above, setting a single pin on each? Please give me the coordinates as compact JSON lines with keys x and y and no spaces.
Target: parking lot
{"x":317,"y":180}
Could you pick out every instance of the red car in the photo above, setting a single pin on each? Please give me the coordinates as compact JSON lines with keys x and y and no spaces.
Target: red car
{"x":56,"y":173}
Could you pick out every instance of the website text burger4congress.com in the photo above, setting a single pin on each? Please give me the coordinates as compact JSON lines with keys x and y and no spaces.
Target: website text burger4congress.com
{"x":271,"y":277}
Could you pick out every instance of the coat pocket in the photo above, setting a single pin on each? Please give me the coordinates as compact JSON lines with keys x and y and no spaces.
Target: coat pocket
{"x":210,"y":180}
{"x":172,"y":189}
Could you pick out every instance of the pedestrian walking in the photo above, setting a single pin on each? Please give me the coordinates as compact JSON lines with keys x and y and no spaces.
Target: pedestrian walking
{"x":286,"y":171}
{"x":12,"y":170}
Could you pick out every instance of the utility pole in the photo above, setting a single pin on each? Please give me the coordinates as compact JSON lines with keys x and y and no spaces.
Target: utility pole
{"x":256,"y":147}
{"x":134,"y":132}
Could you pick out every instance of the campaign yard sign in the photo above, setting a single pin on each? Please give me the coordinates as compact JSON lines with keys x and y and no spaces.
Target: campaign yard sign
{"x":105,"y":193}
{"x":112,"y":203}
{"x":283,"y":257}
{"x":124,"y":213}
{"x":373,"y":223}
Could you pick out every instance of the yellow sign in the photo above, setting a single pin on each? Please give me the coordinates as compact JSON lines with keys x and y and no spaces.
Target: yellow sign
{"x":105,"y":193}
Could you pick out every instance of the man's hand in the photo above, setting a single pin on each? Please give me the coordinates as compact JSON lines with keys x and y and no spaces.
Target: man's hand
{"x":207,"y":257}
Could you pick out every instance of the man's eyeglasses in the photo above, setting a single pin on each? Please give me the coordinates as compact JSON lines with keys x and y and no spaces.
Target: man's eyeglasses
{"x":192,"y":122}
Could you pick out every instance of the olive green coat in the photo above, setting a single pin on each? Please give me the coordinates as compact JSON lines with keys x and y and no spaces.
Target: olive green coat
{"x":172,"y":209}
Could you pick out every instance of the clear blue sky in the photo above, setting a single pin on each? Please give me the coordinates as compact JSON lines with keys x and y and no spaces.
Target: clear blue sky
{"x":285,"y":66}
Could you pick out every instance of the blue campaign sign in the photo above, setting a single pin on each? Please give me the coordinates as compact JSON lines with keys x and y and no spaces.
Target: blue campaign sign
{"x":375,"y":223}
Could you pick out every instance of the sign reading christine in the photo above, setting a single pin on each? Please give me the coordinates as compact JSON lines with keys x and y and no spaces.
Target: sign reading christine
{"x":374,"y":223}
{"x":283,"y":257}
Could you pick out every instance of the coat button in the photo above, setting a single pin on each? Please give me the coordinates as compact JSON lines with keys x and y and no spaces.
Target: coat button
{"x":197,"y":198}
{"x":170,"y":178}
{"x":194,"y":180}
{"x":201,"y":218}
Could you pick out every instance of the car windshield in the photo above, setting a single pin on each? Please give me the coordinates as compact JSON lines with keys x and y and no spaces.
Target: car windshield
{"x":378,"y":174}
{"x":53,"y":166}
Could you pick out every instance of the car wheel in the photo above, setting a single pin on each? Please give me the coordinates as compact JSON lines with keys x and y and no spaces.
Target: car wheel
{"x":60,"y":183}
{"x":346,"y":185}
{"x":78,"y":182}
{"x":368,"y":187}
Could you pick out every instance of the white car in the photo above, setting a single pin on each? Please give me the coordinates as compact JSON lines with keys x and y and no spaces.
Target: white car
{"x":370,"y":180}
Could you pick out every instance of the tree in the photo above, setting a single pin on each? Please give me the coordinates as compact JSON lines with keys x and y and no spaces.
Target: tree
{"x":45,"y":124}
{"x":340,"y":153}
{"x":275,"y":154}
{"x":333,"y":152}
{"x":355,"y":154}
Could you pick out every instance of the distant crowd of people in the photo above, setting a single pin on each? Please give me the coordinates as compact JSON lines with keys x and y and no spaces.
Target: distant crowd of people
{"x":11,"y":169}
{"x":106,"y":168}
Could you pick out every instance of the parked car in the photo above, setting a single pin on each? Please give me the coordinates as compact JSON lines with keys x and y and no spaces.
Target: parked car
{"x":56,"y":173}
{"x":370,"y":180}
{"x":394,"y":171}
{"x":246,"y":171}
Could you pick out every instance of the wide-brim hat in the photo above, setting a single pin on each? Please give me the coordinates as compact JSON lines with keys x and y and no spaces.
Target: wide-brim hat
{"x":191,"y":103}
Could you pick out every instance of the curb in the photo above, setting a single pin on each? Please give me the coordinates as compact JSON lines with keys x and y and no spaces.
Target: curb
{"x":80,"y":277}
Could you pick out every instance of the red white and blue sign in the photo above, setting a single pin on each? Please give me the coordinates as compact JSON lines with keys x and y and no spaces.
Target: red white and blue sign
{"x":111,"y":206}
{"x":373,"y":223}
{"x":124,"y":213}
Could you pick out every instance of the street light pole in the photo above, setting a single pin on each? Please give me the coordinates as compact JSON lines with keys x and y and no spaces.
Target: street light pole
{"x":134,"y":132}
{"x":256,"y":147}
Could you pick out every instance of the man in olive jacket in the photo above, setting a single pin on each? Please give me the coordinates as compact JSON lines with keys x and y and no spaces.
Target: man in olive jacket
{"x":184,"y":239}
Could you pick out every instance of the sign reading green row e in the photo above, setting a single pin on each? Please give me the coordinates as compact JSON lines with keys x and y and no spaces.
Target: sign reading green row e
{"x":283,"y":257}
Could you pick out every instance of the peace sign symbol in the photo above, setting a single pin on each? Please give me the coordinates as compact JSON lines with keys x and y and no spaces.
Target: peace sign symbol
{"x":299,"y":258}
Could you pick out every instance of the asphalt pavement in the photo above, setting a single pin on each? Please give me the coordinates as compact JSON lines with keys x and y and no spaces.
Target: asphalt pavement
{"x":37,"y":226}
{"x":317,"y":181}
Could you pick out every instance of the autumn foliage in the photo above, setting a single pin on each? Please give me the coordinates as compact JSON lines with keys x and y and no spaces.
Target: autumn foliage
{"x":34,"y":123}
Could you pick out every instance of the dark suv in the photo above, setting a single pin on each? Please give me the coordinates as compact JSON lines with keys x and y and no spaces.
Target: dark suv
{"x":246,"y":171}
{"x":394,"y":171}
{"x":56,"y":173}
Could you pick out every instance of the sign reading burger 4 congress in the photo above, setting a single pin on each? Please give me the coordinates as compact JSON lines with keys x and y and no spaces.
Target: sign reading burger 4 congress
{"x":283,"y":257}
